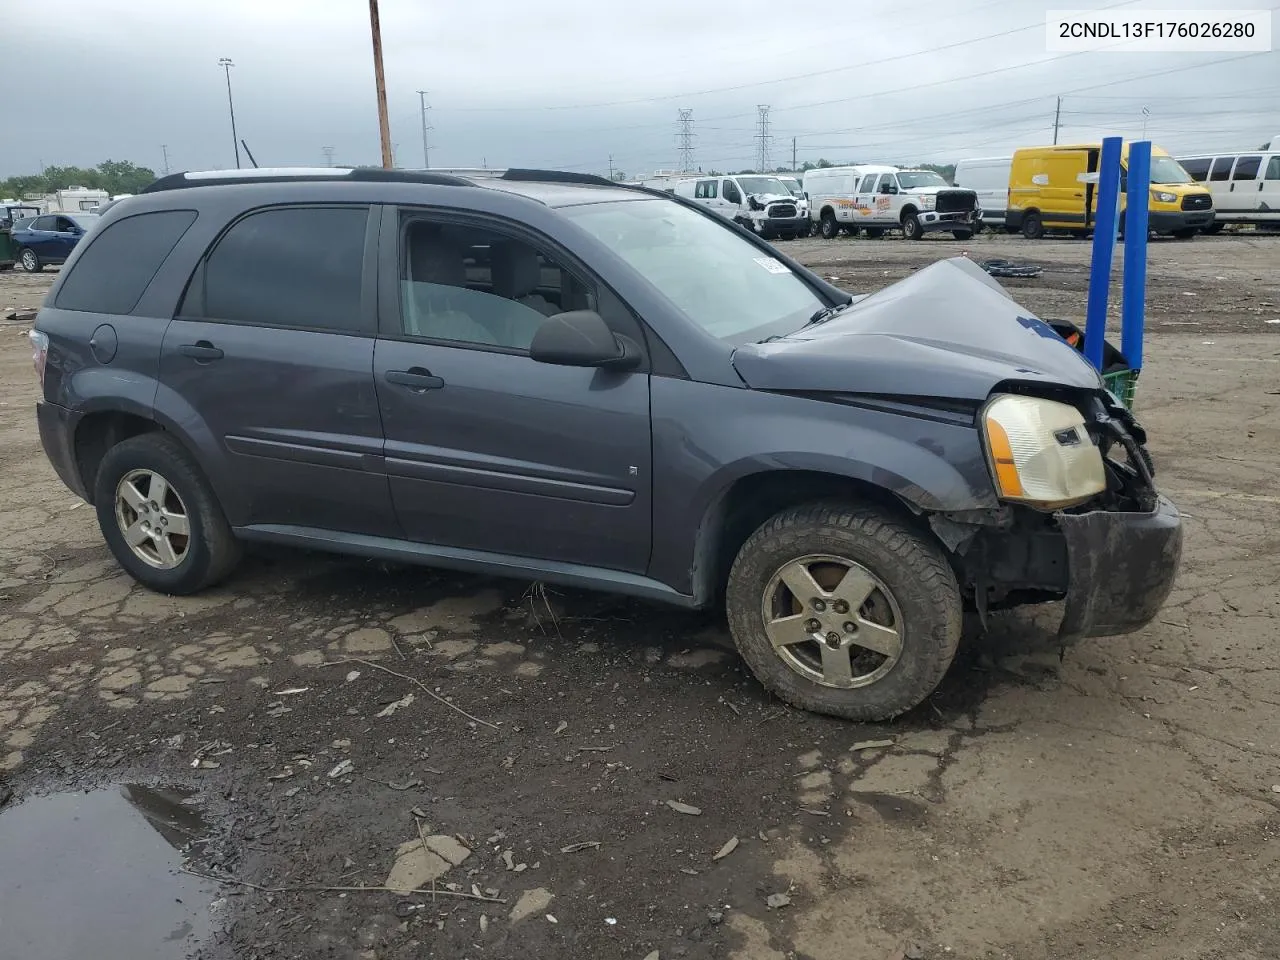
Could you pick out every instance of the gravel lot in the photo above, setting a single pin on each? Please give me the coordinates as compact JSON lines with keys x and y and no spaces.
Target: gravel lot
{"x":345,"y":723}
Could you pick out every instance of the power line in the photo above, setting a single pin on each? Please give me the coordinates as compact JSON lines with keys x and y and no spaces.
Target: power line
{"x":765,"y":141}
{"x":684,"y":140}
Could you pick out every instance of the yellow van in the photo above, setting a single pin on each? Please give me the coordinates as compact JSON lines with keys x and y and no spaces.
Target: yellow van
{"x":1056,"y":188}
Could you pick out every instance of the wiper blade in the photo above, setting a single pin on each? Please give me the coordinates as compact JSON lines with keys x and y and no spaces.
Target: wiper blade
{"x":825,"y":314}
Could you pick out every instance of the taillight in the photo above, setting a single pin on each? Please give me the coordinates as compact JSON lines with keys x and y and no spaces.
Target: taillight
{"x":39,"y":352}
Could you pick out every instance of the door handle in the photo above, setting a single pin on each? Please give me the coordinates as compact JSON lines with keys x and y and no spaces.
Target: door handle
{"x":1232,"y":188}
{"x":201,"y":351}
{"x":417,"y":379}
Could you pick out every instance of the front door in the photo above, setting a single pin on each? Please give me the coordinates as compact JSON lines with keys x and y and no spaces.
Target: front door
{"x":1241,"y":195}
{"x":1269,"y":192}
{"x":270,"y":363}
{"x":487,"y":449}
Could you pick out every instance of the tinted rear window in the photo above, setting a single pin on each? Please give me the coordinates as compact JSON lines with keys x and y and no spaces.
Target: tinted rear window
{"x":287,"y":267}
{"x":111,"y":275}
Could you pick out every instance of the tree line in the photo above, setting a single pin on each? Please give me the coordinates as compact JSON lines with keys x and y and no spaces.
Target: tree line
{"x":113,"y":176}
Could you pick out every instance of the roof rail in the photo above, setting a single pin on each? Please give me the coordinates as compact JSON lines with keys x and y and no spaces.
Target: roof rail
{"x":558,"y":176}
{"x":201,"y":178}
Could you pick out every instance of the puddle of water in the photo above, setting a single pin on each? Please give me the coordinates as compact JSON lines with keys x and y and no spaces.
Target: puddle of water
{"x":96,"y":875}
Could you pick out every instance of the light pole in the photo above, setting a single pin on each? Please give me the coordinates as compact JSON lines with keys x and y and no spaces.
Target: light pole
{"x":226,"y":65}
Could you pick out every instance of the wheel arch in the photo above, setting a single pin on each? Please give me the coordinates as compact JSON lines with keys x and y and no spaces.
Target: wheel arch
{"x":746,"y":502}
{"x":908,"y":210}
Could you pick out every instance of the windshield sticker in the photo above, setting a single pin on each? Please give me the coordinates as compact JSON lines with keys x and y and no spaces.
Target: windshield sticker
{"x":772,"y":265}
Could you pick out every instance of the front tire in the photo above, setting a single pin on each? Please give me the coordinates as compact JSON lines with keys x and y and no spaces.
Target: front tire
{"x":845,"y":610}
{"x":911,"y":229}
{"x":1032,"y":226}
{"x":829,"y":227}
{"x":160,"y":517}
{"x":30,"y":260}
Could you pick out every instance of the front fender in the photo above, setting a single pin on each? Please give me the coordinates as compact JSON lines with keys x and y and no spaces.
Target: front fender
{"x":707,"y":438}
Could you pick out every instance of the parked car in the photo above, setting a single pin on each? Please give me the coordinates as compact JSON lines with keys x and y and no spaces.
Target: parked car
{"x":761,"y":204}
{"x":989,"y":178}
{"x":49,"y":239}
{"x":1245,"y":186}
{"x":546,"y":376}
{"x":1056,"y":188}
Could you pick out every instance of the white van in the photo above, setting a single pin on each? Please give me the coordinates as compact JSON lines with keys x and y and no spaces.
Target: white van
{"x":831,"y":192}
{"x":1245,"y":185}
{"x":792,"y":183}
{"x":760,"y":203}
{"x":989,"y":178}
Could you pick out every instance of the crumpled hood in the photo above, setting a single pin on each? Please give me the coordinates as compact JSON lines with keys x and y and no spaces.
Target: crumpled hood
{"x":768,"y":198}
{"x":949,"y":331}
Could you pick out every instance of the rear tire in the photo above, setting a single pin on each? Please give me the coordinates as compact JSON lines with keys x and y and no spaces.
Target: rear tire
{"x":828,"y":226}
{"x":1032,"y":226}
{"x":30,"y":260}
{"x":911,"y":229}
{"x":909,"y":593}
{"x":201,"y":557}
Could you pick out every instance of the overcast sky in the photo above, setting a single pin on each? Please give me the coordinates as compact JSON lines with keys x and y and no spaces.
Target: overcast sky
{"x":567,"y":84}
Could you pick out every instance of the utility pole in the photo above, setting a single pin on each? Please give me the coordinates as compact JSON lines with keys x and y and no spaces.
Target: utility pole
{"x":226,"y":65}
{"x":684,"y":139}
{"x":762,"y":135}
{"x":328,"y":156}
{"x":380,"y":80}
{"x":426,"y":151}
{"x":1146,"y":113}
{"x":165,"y":150}
{"x":1057,"y":113}
{"x":611,"y":166}
{"x":794,"y":168}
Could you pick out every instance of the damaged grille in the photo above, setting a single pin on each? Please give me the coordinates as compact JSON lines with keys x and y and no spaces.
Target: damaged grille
{"x":951,"y":201}
{"x":1197,"y":202}
{"x":782,"y":210}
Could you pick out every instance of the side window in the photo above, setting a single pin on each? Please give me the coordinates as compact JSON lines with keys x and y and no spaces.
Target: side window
{"x":705,"y":189}
{"x":475,"y":285}
{"x":1273,"y":168}
{"x":44,"y":223}
{"x":111,"y":275}
{"x":1246,"y":168}
{"x":1197,"y":168}
{"x":730,"y":192}
{"x":869,"y":183}
{"x":63,"y":224}
{"x":297,"y":267}
{"x":1221,"y":168}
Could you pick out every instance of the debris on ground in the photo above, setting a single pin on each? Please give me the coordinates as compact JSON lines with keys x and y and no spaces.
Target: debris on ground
{"x":562,"y":726}
{"x":342,"y":769}
{"x":1010,"y":268}
{"x":870,"y":745}
{"x":395,"y":705}
{"x":913,"y":951}
{"x":531,"y":901}
{"x":290,"y":691}
{"x":484,"y":923}
{"x":651,"y":956}
{"x":585,"y":844}
{"x":730,"y":845}
{"x":423,"y":861}
{"x":776,"y":901}
{"x":353,"y":675}
{"x":679,"y":807}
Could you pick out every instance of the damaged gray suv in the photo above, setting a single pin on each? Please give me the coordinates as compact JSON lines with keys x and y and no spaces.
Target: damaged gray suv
{"x":554,"y":377}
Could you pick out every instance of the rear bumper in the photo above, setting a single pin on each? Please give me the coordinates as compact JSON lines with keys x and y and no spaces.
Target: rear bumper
{"x":1121,"y":567}
{"x":1169,"y":221}
{"x":57,"y":436}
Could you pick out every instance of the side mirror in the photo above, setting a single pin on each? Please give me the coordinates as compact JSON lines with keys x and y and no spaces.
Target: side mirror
{"x":581,"y":338}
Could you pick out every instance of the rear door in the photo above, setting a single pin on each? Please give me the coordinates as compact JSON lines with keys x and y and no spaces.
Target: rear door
{"x":44,"y":238}
{"x":1242,"y":192}
{"x":271,"y":358}
{"x":487,"y":449}
{"x":1269,"y":191}
{"x":1219,"y":182}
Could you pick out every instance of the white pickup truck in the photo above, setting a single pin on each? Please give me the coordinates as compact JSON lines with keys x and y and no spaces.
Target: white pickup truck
{"x":916,"y":201}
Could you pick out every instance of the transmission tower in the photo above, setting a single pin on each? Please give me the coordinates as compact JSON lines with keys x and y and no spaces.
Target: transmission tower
{"x":684,"y":140}
{"x":763,"y":137}
{"x":426,"y":149}
{"x":328,"y":156}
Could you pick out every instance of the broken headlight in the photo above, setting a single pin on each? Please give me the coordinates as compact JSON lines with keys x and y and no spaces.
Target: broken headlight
{"x":1040,"y":452}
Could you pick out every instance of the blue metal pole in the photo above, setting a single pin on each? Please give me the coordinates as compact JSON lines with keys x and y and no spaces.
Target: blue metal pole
{"x":1134,"y":302}
{"x":1104,"y":244}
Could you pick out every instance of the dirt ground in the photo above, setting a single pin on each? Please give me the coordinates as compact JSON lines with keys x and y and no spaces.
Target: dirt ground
{"x":347,"y":724}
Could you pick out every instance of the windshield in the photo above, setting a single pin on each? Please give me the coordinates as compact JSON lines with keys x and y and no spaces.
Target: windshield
{"x":722,"y":282}
{"x":919,"y":178}
{"x":764,"y":185}
{"x":1168,"y":170}
{"x":791,"y":184}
